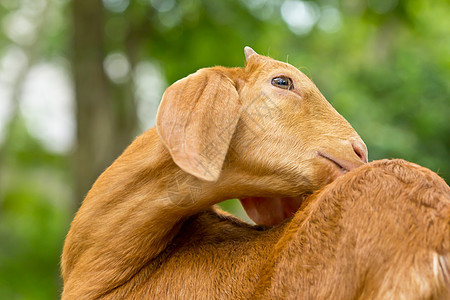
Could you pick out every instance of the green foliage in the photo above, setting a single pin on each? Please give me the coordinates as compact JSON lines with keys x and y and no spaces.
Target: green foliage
{"x":385,"y":67}
{"x":34,"y":217}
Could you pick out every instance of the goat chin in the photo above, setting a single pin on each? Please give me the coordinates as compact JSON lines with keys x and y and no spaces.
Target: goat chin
{"x":272,"y":211}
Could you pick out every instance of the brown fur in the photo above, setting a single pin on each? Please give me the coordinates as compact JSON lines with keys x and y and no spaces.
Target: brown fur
{"x":146,"y":230}
{"x":381,"y":231}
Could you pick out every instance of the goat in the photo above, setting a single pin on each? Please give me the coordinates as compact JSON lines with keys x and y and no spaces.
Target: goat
{"x":263,"y":134}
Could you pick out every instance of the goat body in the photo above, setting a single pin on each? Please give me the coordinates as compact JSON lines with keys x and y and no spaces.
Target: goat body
{"x":381,"y":231}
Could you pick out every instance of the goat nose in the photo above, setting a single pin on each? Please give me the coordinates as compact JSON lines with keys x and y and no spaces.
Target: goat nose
{"x":361,"y":150}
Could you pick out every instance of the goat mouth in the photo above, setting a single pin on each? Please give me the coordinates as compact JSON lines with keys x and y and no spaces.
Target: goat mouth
{"x":271,"y":211}
{"x":337,"y":164}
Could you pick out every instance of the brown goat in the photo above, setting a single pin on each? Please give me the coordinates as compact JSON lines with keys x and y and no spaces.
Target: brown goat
{"x":146,"y":230}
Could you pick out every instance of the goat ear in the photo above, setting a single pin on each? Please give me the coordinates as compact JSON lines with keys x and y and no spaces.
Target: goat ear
{"x":196,"y":120}
{"x":248,"y":52}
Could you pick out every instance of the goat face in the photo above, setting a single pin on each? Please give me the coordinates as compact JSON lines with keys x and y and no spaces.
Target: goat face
{"x":268,"y":124}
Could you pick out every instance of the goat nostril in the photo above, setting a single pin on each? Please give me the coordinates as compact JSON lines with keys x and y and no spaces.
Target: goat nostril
{"x":359,"y":150}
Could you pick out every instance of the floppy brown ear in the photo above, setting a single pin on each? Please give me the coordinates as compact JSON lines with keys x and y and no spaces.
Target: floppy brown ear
{"x":196,"y":120}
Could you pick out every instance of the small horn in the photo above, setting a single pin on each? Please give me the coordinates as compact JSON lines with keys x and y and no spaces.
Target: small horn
{"x":248,"y":52}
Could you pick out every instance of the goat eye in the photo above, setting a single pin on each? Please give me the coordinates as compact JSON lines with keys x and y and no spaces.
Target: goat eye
{"x":283,"y":82}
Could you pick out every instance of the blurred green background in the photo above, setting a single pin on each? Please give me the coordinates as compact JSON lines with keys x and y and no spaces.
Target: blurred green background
{"x":80,"y":79}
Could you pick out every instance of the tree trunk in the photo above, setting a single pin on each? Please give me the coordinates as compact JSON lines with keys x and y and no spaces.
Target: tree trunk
{"x":100,"y":118}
